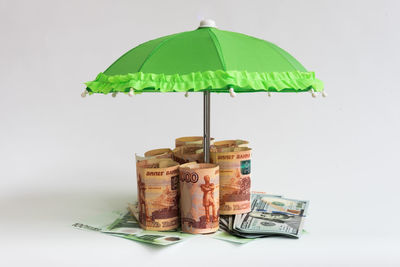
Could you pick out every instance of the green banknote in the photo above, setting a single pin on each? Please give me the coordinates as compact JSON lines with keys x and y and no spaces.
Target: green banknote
{"x":123,"y":224}
{"x":226,"y":236}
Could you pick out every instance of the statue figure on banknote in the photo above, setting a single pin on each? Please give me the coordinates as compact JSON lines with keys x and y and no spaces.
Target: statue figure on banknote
{"x":142,"y":203}
{"x":208,"y":198}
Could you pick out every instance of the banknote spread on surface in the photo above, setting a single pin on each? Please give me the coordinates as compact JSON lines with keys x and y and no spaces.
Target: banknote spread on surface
{"x":123,"y":224}
{"x":270,"y":215}
{"x":220,"y":234}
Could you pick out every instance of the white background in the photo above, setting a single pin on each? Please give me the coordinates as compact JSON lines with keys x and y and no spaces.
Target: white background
{"x":64,"y":158}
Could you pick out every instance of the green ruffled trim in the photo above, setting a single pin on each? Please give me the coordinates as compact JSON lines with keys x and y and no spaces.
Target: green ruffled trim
{"x":218,"y":81}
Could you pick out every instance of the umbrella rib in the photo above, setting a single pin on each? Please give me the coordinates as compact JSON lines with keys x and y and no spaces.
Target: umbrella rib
{"x":218,"y":48}
{"x":126,"y":53}
{"x":273,"y":46}
{"x":156,"y":48}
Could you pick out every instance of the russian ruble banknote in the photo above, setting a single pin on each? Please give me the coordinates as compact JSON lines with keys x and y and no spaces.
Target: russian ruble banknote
{"x":158,"y":194}
{"x":221,"y":145}
{"x":235,"y":169}
{"x":155,"y":154}
{"x":191,"y":140}
{"x":188,"y":153}
{"x":199,"y":199}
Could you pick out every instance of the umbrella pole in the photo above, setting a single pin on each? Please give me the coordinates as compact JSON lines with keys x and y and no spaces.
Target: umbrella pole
{"x":206,"y":126}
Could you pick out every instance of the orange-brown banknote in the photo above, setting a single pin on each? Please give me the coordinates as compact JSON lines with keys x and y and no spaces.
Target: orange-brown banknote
{"x":235,"y":168}
{"x":199,"y":185}
{"x":158,"y":194}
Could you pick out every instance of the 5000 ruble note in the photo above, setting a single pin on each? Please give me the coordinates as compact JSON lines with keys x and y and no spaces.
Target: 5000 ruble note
{"x":199,"y":187}
{"x":235,"y":169}
{"x":158,"y":186}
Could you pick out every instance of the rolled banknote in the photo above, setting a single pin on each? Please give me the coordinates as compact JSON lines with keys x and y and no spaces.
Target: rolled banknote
{"x":155,"y":153}
{"x":190,"y":140}
{"x":199,"y":185}
{"x":159,"y":153}
{"x":221,"y":145}
{"x":158,"y":185}
{"x":235,"y":167}
{"x":188,"y":153}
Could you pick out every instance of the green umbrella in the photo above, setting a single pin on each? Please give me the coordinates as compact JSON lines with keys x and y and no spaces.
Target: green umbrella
{"x":205,"y":60}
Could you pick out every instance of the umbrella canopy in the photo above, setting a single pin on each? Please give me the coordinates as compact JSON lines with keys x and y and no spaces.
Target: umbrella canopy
{"x":206,"y":59}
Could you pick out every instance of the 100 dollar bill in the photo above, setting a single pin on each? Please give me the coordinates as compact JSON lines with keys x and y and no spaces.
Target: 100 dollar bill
{"x":272,"y":215}
{"x":273,"y":204}
{"x":270,"y":224}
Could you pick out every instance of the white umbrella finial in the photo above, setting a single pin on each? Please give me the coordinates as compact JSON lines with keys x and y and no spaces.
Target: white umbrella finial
{"x":207,"y":23}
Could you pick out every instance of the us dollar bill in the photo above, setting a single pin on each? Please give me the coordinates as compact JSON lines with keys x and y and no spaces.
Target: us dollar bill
{"x":273,"y":204}
{"x":270,"y":224}
{"x":272,"y":215}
